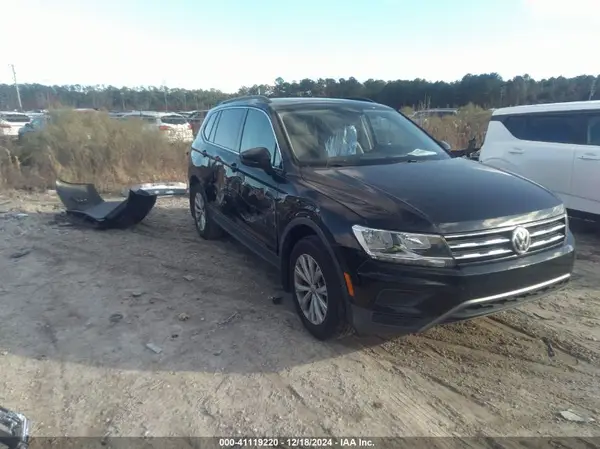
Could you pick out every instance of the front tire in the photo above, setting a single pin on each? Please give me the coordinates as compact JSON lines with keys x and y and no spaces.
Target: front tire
{"x":205,"y":225}
{"x":317,"y":290}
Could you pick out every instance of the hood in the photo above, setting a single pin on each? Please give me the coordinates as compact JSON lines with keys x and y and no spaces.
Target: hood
{"x":452,"y":195}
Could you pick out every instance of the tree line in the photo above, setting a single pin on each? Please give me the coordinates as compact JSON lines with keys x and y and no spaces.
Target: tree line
{"x":485,"y":90}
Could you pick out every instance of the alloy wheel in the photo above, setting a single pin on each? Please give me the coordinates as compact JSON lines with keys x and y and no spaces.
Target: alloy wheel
{"x":200,"y":212}
{"x":311,"y":290}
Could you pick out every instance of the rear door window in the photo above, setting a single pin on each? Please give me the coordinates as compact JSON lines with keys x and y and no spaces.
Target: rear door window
{"x":228,"y":129}
{"x":593,"y":130}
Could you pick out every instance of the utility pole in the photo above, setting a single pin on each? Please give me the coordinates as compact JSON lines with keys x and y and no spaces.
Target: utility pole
{"x":166,"y":101}
{"x":16,"y":87}
{"x":593,"y":89}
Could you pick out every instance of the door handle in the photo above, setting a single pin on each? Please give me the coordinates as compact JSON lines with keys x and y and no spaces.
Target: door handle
{"x":204,"y":153}
{"x":516,"y":151}
{"x":589,"y":157}
{"x":234,"y":167}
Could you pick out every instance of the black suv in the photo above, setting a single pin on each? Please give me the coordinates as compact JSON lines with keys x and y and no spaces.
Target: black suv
{"x":371,"y":222}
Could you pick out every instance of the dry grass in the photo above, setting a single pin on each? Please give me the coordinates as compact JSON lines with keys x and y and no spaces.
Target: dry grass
{"x":471,"y":122}
{"x":92,"y":147}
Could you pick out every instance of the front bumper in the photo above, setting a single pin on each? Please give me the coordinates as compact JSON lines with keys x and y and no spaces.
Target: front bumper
{"x":390,"y":298}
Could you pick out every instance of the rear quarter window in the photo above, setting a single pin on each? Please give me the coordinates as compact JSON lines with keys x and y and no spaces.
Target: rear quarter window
{"x":208,"y":126}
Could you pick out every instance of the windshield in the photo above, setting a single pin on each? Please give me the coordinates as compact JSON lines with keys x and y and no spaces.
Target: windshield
{"x":333,"y":135}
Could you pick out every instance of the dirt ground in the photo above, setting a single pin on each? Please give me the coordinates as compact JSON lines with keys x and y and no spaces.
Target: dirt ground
{"x":78,"y":308}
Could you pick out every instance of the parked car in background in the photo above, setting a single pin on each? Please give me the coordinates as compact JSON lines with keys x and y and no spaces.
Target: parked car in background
{"x":36,"y":113}
{"x":11,"y":122}
{"x":175,"y":126}
{"x":420,"y":117}
{"x":556,"y":145}
{"x":371,"y":223}
{"x":196,"y":120}
{"x":36,"y":124}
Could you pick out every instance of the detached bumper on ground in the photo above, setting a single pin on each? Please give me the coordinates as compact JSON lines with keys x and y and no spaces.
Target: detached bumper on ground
{"x":14,"y":430}
{"x":398,"y":299}
{"x":83,"y":202}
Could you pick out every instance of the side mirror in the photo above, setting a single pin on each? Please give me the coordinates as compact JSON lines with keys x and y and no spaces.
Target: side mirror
{"x":258,"y":157}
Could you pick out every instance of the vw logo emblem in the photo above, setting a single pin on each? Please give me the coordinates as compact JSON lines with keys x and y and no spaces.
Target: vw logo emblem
{"x":521,"y":240}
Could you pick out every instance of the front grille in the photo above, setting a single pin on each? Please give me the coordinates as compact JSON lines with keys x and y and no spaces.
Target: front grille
{"x":496,"y":244}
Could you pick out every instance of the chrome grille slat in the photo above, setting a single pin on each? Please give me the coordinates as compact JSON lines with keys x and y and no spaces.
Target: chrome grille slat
{"x":547,"y":231}
{"x":477,"y":244}
{"x":496,"y":243}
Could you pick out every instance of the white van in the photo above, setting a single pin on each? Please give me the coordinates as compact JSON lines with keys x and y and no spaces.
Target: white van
{"x":556,"y":145}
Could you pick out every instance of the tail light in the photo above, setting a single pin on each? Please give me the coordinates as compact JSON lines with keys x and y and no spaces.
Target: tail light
{"x":189,"y":126}
{"x":164,"y":128}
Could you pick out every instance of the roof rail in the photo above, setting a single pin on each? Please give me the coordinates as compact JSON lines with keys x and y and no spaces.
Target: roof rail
{"x":361,"y":99}
{"x":260,"y":98}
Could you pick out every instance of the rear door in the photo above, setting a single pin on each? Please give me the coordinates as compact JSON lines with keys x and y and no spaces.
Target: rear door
{"x":225,"y":138}
{"x":585,"y":189}
{"x":542,"y":149}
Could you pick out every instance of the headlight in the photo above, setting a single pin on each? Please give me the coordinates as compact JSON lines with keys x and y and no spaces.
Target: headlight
{"x":404,"y":247}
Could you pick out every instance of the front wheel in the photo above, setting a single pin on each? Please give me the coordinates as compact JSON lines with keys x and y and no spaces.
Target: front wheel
{"x":317,"y":290}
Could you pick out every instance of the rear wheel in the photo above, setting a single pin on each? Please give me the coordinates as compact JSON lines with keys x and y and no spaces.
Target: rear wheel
{"x":206,"y":227}
{"x":317,"y":290}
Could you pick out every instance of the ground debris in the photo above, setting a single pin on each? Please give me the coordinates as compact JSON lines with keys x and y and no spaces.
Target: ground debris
{"x":154,"y":348}
{"x":183,"y":316}
{"x":549,"y":347}
{"x":189,"y":277}
{"x":229,"y":319}
{"x":276,"y":299}
{"x":19,"y":254}
{"x":569,"y":415}
{"x":115,"y":317}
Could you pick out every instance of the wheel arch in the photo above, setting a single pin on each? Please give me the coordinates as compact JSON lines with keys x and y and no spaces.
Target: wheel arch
{"x":297,"y":229}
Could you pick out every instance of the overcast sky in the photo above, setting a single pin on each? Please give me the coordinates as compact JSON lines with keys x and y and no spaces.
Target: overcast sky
{"x":225,"y":44}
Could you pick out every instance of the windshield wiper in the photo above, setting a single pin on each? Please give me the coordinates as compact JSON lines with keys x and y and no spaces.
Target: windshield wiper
{"x":370,"y":161}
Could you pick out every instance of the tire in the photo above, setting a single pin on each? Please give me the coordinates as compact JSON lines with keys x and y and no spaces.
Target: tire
{"x":207,"y":228}
{"x":333,"y":324}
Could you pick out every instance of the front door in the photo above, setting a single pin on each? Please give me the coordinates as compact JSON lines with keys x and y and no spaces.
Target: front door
{"x":259,"y":190}
{"x":545,"y":150}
